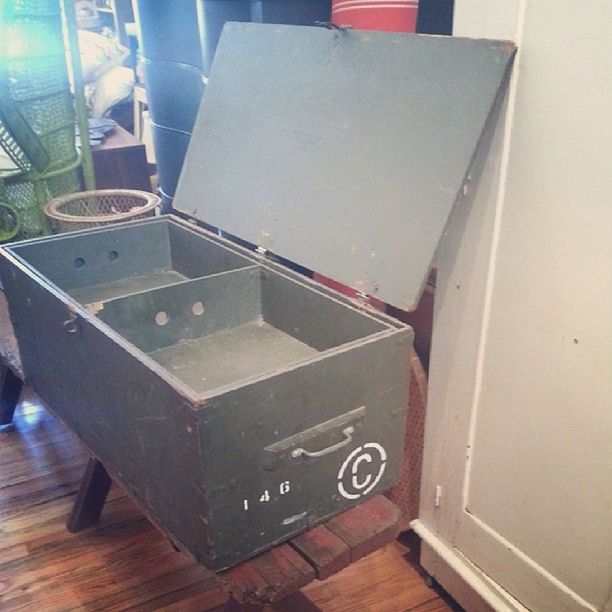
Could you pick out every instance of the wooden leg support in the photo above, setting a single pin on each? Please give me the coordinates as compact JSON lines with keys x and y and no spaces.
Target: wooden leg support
{"x":91,"y":497}
{"x":274,"y":577}
{"x":10,"y":391}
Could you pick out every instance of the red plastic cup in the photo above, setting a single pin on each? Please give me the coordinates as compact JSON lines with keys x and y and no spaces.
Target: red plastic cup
{"x":383,"y":15}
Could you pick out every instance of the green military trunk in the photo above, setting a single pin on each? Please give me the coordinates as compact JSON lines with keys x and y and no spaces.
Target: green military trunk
{"x":239,"y":401}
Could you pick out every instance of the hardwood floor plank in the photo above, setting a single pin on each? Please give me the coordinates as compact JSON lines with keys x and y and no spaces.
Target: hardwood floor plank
{"x":436,"y":604}
{"x":160,"y":591}
{"x":211,"y":600}
{"x":384,"y":581}
{"x":49,"y":521}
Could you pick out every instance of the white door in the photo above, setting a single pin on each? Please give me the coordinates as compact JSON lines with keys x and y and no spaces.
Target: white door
{"x":517,"y":494}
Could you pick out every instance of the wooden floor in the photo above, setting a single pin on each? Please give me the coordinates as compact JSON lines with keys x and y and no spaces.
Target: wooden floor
{"x":125,"y":563}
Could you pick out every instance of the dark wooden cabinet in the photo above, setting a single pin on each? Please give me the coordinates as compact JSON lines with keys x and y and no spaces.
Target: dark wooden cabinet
{"x":120,"y":162}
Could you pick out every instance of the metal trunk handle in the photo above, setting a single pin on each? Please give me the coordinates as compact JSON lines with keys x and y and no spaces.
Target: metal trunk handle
{"x":348,"y":438}
{"x":345,"y":427}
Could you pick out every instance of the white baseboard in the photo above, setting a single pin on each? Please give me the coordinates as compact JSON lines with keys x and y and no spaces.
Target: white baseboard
{"x":466,"y":584}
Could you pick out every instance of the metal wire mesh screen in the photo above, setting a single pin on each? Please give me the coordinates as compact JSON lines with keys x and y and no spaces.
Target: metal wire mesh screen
{"x":406,"y":493}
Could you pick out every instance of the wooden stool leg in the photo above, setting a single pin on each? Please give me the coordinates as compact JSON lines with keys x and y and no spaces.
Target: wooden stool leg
{"x":90,"y":499}
{"x":10,"y":391}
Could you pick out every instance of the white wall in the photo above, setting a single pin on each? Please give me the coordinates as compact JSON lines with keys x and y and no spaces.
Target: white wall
{"x":519,"y":431}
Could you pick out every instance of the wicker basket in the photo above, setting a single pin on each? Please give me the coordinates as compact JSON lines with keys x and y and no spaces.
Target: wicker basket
{"x":101,"y":207}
